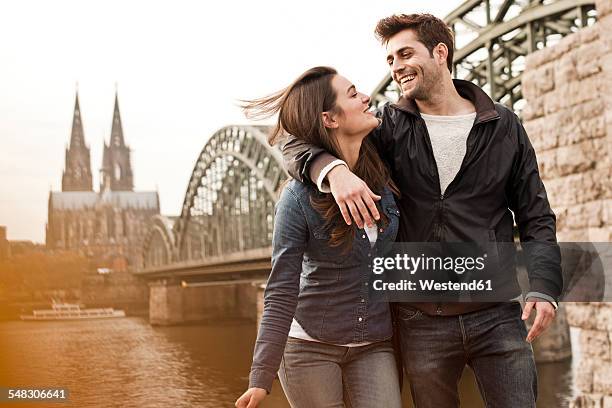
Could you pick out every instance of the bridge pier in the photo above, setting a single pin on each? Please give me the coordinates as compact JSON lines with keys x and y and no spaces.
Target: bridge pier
{"x":165,"y":302}
{"x":172,"y":301}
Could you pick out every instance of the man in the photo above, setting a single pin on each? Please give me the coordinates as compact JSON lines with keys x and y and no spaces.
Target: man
{"x":464,"y":166}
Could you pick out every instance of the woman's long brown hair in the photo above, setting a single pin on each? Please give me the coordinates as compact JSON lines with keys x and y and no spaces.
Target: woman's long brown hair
{"x":300,"y":107}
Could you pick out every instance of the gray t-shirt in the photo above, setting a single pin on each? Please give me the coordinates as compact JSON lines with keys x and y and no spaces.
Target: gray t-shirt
{"x":448,"y":136}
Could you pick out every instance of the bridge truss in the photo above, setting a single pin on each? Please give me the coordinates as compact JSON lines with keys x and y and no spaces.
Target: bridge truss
{"x":229,"y":203}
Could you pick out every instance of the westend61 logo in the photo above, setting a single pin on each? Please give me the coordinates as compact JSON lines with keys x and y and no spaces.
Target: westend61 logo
{"x":411,"y":264}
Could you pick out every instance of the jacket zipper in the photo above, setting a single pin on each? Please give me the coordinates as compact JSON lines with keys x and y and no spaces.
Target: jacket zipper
{"x":438,"y":227}
{"x":439,"y":238}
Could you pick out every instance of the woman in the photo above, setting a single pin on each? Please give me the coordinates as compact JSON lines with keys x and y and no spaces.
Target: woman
{"x":319,"y":324}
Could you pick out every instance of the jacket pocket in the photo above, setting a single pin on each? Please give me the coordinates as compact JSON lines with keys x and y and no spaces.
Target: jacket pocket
{"x":492,"y":252}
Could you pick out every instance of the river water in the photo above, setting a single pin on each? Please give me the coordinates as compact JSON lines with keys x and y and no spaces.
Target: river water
{"x":128,"y":363}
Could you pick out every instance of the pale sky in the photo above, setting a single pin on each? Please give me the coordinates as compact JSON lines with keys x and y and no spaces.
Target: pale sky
{"x":180,"y":66}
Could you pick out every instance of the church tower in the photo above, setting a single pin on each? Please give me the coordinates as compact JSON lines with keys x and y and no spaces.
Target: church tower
{"x":116,"y":172}
{"x":77,"y":170}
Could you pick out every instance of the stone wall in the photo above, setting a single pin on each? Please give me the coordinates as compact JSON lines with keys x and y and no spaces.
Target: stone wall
{"x":593,"y":373}
{"x":568,"y":116}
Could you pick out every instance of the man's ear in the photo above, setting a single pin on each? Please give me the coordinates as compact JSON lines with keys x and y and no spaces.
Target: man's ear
{"x":441,"y":51}
{"x":329,"y":121}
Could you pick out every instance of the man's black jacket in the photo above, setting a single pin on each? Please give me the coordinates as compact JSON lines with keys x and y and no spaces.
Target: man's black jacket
{"x":498,"y":176}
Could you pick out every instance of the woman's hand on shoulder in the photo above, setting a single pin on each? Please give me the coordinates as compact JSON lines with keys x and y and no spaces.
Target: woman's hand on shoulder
{"x":251,"y":398}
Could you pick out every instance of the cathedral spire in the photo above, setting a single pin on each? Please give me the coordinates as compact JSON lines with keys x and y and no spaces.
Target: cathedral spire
{"x":117,"y":128}
{"x":77,"y":137}
{"x":77,"y":170}
{"x":116,"y":171}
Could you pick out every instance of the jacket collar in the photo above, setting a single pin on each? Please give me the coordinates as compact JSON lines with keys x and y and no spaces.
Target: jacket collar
{"x":485,"y":108}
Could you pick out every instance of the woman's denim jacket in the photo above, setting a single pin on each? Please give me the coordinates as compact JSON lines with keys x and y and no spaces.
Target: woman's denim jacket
{"x":325,"y":289}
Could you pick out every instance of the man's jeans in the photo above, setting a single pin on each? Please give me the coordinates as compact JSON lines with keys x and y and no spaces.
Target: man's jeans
{"x":323,"y":375}
{"x":435,"y":350}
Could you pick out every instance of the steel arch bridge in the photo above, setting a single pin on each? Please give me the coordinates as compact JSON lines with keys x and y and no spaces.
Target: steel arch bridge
{"x":229,"y":204}
{"x":227,"y":214}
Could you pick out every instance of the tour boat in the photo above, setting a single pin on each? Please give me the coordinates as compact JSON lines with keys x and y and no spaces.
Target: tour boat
{"x":69,"y":311}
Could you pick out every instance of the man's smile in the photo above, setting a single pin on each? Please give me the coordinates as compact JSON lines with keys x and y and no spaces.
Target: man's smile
{"x":406,"y":78}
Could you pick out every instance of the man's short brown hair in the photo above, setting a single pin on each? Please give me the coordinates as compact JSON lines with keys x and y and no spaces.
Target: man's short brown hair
{"x":429,"y":29}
